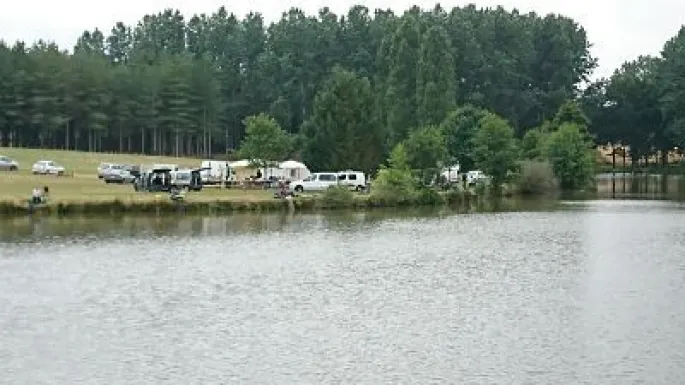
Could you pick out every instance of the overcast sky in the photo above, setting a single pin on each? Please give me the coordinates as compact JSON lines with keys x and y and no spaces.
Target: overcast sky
{"x":619,"y":30}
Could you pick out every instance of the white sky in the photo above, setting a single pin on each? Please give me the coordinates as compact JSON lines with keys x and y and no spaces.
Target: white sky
{"x":619,"y":30}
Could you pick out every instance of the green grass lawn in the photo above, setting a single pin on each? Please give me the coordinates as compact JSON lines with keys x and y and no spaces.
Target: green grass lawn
{"x":85,"y":163}
{"x":84,"y":186}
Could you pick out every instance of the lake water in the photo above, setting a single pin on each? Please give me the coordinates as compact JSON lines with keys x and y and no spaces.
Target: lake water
{"x":586,"y":293}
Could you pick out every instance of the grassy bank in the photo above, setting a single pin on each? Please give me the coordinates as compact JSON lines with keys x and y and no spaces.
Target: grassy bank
{"x":83,"y":193}
{"x":218,"y":202}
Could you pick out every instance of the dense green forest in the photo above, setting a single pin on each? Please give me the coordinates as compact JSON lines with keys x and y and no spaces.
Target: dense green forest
{"x":345,"y":86}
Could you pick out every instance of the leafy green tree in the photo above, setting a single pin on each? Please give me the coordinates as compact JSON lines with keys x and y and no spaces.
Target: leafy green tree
{"x":495,"y":150}
{"x":570,"y":153}
{"x":601,"y":112}
{"x":342,"y":132}
{"x":633,"y":92}
{"x":264,"y":140}
{"x":426,"y":151}
{"x":671,"y":83}
{"x":531,"y":144}
{"x":570,"y":112}
{"x":459,"y":129}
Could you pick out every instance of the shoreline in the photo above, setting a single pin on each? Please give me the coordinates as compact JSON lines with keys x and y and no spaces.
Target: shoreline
{"x":223,"y":206}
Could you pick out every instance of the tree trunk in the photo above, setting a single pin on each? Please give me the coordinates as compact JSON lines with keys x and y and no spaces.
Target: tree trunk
{"x":226,"y":141}
{"x":209,"y":146}
{"x":177,"y":142}
{"x":204,"y":131}
{"x":121,"y":139}
{"x":142,"y":141}
{"x":66,"y":135}
{"x":154,"y":140}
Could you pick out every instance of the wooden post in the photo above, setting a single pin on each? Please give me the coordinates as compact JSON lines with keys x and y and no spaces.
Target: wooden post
{"x":613,"y":173}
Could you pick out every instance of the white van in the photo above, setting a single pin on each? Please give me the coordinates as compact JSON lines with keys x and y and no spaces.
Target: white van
{"x":356,"y":180}
{"x":318,"y":181}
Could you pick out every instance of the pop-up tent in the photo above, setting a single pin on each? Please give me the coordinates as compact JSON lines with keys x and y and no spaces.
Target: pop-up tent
{"x":244,"y":169}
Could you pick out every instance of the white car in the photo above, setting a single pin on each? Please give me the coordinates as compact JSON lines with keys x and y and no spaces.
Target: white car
{"x":318,"y":181}
{"x":47,"y":167}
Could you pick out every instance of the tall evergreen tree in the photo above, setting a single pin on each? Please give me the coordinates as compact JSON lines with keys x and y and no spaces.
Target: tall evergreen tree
{"x":435,"y":83}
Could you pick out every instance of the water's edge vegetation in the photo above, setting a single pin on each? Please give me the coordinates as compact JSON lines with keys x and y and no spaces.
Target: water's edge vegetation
{"x":335,"y":199}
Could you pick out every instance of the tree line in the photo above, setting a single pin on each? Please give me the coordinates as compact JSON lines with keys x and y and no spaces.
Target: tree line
{"x":347,"y":89}
{"x":177,"y":85}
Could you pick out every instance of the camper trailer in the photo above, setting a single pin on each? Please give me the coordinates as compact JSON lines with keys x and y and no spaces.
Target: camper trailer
{"x":216,"y":172}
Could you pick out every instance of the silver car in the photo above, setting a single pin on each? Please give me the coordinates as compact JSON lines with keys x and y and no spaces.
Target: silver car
{"x":104,"y":168}
{"x":8,"y":164}
{"x":119,"y":173}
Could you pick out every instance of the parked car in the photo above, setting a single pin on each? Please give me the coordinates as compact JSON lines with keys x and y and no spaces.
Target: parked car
{"x":8,"y":164}
{"x":45,"y":167}
{"x":103,"y":168}
{"x":154,"y":180}
{"x":119,"y":173}
{"x":316,"y":182}
{"x":356,"y":180}
{"x":187,"y":179}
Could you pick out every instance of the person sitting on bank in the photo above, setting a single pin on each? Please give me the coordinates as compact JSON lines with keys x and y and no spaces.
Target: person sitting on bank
{"x":46,"y":194}
{"x":39,"y":196}
{"x":36,"y":196}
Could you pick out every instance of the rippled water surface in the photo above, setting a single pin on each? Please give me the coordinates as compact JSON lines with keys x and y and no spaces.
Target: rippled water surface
{"x":590,"y":293}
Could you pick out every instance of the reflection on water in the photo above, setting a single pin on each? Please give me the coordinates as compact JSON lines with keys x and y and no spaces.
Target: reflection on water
{"x":31,"y":228}
{"x":641,"y":186}
{"x":587,"y":294}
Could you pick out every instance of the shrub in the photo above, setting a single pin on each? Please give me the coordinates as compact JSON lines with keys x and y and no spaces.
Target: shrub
{"x":395,"y":186}
{"x":338,"y":196}
{"x":537,"y":178}
{"x":427,"y":196}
